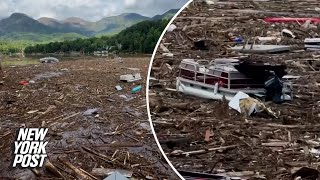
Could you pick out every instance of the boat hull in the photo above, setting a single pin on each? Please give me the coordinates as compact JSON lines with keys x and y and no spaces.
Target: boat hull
{"x":215,"y":92}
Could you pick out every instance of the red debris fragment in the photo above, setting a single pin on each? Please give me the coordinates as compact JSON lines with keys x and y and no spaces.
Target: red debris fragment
{"x":24,"y":83}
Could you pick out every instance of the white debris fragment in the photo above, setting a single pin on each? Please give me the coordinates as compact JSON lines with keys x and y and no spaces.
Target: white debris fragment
{"x":130,"y":77}
{"x":235,"y":102}
{"x":171,"y":28}
{"x":290,"y":77}
{"x":33,"y":111}
{"x":184,"y":28}
{"x":306,"y":24}
{"x":168,"y":54}
{"x":91,"y":112}
{"x":268,"y":39}
{"x":243,"y":103}
{"x":126,"y":97}
{"x":209,"y":2}
{"x":312,"y":151}
{"x":164,"y":48}
{"x":119,"y":88}
{"x":286,"y":32}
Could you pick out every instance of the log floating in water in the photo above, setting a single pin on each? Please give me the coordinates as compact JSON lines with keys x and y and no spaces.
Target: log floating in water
{"x":201,"y":151}
{"x":77,"y":172}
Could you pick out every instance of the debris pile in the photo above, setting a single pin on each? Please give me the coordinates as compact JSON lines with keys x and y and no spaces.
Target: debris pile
{"x":206,"y":138}
{"x":94,"y":129}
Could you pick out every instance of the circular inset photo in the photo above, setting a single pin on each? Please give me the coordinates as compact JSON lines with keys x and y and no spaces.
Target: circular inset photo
{"x":73,"y":89}
{"x":234,"y":90}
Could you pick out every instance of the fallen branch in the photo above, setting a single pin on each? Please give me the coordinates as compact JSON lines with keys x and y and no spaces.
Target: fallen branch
{"x":101,"y":172}
{"x":100,"y":156}
{"x":242,"y":141}
{"x":77,"y":172}
{"x":85,"y":172}
{"x":5,"y":134}
{"x":275,"y":144}
{"x":201,"y":151}
{"x":116,"y":145}
{"x":163,"y":123}
{"x":36,"y":172}
{"x":49,"y":166}
{"x":292,"y":126}
{"x":181,"y":106}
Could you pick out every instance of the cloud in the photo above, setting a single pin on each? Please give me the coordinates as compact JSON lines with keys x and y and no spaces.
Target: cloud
{"x":4,"y":8}
{"x":153,"y":7}
{"x":129,"y":3}
{"x":87,"y":9}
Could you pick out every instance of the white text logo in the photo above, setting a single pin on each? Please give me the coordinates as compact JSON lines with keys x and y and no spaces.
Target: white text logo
{"x":30,"y":148}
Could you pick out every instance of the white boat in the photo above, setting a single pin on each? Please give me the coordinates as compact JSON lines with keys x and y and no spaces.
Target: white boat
{"x":49,"y":60}
{"x":215,"y":79}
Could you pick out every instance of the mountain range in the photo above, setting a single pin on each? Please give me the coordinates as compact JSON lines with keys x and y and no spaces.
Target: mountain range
{"x":19,"y":26}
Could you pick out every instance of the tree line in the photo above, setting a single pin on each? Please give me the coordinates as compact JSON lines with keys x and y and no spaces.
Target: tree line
{"x":139,"y":38}
{"x":7,"y":47}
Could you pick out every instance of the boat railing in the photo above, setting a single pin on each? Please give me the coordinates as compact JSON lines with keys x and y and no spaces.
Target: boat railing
{"x":224,"y":79}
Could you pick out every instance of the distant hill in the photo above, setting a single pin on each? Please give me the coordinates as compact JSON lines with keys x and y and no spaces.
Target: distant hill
{"x":19,"y":22}
{"x":70,"y":25}
{"x":115,"y":23}
{"x":167,"y":15}
{"x":76,"y":22}
{"x":24,"y":30}
{"x":107,"y":25}
{"x":48,"y":21}
{"x":139,"y":38}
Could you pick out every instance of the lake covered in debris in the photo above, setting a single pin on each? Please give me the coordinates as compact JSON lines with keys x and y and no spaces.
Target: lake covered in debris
{"x":92,"y":125}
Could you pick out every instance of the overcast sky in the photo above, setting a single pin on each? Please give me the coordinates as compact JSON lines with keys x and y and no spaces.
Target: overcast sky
{"x":87,"y":9}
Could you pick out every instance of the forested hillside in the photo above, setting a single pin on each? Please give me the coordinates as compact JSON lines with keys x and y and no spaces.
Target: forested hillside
{"x":139,"y":38}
